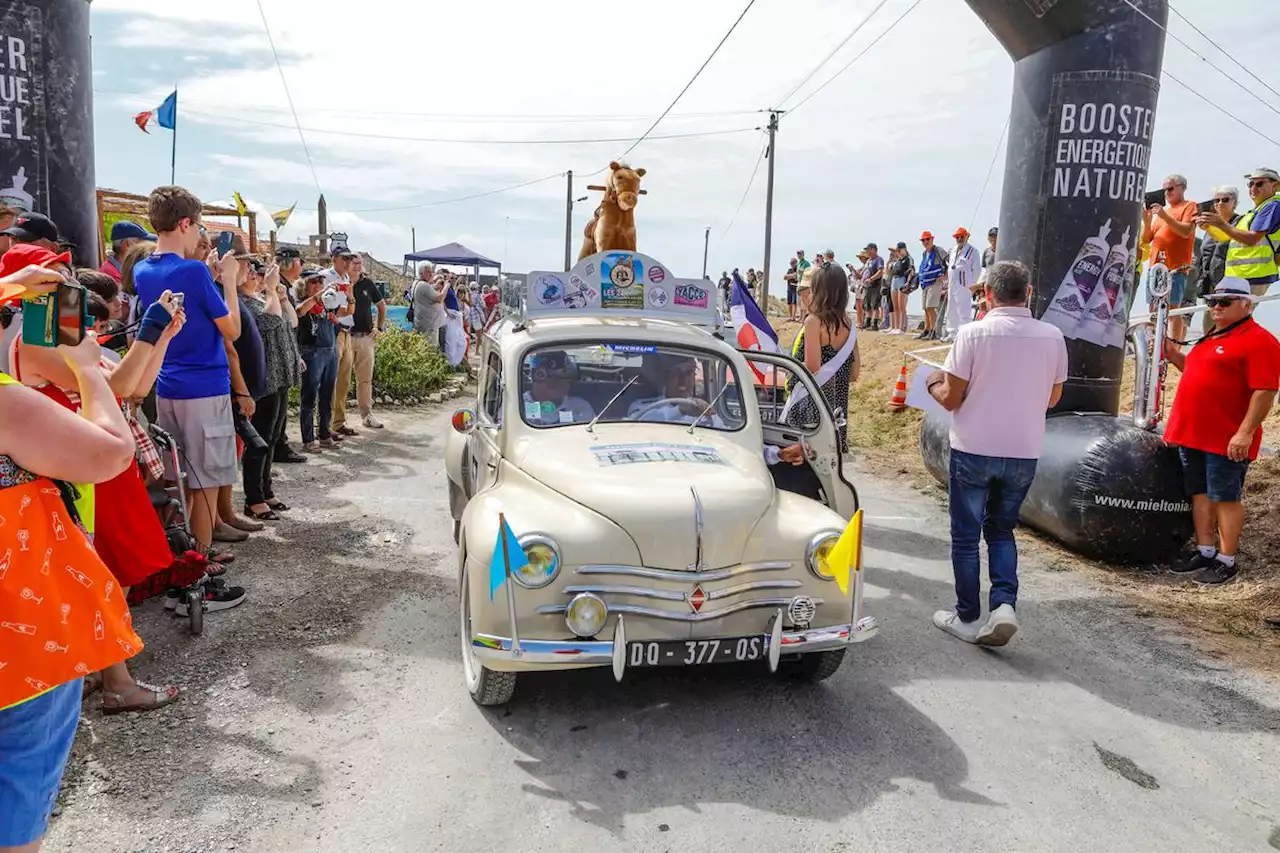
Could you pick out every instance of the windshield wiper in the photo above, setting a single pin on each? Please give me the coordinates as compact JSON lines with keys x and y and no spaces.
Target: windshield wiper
{"x":612,"y":400}
{"x":709,"y":407}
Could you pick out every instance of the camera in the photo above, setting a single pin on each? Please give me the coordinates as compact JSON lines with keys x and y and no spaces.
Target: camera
{"x":332,"y":299}
{"x":245,"y":429}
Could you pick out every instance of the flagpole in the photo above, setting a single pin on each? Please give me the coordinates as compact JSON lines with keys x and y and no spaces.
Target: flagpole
{"x":511,"y":588}
{"x":173,"y":151}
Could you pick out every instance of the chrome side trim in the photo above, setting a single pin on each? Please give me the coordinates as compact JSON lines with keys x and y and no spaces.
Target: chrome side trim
{"x":677,"y":575}
{"x":704,"y":616}
{"x":490,"y":647}
{"x":696,"y":565}
{"x":672,"y":595}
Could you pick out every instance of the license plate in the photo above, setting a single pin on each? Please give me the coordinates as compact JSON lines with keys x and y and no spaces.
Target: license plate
{"x":695,"y":652}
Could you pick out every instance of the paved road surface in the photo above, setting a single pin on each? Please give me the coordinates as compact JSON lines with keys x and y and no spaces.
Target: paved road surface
{"x":328,"y":714}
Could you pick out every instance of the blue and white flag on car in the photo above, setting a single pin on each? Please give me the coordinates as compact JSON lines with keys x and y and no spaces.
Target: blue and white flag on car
{"x":507,"y":557}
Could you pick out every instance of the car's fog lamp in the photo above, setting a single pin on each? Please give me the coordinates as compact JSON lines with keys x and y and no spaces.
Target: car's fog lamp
{"x":586,"y":615}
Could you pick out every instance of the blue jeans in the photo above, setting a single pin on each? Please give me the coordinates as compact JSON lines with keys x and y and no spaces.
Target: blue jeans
{"x":986,"y":493}
{"x":35,"y":740}
{"x":317,"y":389}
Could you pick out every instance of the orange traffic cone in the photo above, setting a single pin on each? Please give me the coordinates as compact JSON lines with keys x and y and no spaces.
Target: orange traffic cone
{"x":898,"y":401}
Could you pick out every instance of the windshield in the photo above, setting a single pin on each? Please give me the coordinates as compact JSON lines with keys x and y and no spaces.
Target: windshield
{"x":628,"y":381}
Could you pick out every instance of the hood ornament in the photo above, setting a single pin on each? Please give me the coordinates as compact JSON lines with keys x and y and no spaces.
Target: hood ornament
{"x":697,"y":565}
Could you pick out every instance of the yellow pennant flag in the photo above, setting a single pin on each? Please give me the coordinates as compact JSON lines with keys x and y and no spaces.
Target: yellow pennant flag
{"x":280,"y":217}
{"x":241,"y":208}
{"x":846,"y":557}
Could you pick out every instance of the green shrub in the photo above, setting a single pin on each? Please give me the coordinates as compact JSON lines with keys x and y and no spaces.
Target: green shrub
{"x":406,"y":366}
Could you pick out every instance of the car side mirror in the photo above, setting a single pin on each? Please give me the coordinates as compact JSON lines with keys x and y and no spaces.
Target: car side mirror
{"x":464,"y":421}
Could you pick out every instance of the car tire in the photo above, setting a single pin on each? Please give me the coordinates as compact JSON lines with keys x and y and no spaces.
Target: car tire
{"x":486,"y":686}
{"x":814,"y":667}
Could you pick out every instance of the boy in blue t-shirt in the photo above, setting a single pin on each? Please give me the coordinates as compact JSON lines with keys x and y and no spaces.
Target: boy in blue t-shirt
{"x":193,"y":390}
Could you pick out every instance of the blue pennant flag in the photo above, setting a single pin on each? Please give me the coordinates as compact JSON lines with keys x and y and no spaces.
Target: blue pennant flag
{"x":167,"y":113}
{"x":512,"y":558}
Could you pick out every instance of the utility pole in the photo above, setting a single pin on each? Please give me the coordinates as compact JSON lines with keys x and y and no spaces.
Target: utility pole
{"x":413,"y":238}
{"x":706,"y":244}
{"x":568,"y":221}
{"x":768,"y":211}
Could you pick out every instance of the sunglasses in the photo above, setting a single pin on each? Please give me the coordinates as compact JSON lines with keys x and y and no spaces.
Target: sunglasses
{"x":1261,"y":182}
{"x":1223,"y":200}
{"x":1221,"y":301}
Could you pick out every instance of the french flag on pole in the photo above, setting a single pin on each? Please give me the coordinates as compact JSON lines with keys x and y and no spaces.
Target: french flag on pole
{"x":753,"y":329}
{"x":165,"y":115}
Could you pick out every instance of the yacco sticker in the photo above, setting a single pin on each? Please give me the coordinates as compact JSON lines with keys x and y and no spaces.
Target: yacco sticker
{"x":630,"y":454}
{"x":692,"y":296}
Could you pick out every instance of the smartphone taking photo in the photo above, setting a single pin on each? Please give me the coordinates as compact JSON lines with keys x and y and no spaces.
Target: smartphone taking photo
{"x":1205,"y":206}
{"x":59,"y":317}
{"x":225,"y":241}
{"x":1155,"y":197}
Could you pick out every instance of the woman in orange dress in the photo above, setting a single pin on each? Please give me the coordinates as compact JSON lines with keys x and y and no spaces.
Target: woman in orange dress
{"x":61,"y":614}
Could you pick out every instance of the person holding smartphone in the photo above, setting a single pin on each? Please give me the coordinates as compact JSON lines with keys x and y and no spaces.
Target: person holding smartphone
{"x":1170,"y":229}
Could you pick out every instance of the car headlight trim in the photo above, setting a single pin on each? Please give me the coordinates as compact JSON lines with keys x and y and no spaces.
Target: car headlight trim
{"x":586,"y":614}
{"x":816,"y":553}
{"x":543,"y":555}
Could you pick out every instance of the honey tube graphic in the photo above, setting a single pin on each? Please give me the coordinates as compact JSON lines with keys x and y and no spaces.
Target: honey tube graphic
{"x":1120,"y":312}
{"x":1095,"y":325}
{"x":1068,"y":304}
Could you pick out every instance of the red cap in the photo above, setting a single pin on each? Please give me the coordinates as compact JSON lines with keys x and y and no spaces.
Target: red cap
{"x":21,"y":256}
{"x":928,"y":235}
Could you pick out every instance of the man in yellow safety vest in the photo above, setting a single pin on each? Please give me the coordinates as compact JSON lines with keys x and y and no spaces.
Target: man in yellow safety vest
{"x":1255,"y":238}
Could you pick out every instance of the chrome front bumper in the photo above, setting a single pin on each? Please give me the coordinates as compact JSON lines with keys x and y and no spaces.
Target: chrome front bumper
{"x":488,"y":647}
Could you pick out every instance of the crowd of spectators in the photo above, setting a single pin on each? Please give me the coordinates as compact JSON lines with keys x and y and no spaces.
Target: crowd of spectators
{"x":186,"y":346}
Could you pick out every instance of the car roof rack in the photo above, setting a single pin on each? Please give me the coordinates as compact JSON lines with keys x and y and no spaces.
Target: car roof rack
{"x":613,"y":285}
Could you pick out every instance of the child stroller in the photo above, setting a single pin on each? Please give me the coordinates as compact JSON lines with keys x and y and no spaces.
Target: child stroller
{"x":186,"y":580}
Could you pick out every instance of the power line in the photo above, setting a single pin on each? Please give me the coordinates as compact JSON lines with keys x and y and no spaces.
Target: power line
{"x":1201,"y":56}
{"x":1222,"y":110}
{"x":1223,"y":51}
{"x":461,"y":198}
{"x":695,"y":76}
{"x":832,"y":54}
{"x":752,"y":180}
{"x":289,"y":97}
{"x":994,"y":157}
{"x":443,"y":139}
{"x":859,"y":55}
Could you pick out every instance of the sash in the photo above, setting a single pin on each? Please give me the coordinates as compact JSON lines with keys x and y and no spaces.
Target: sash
{"x":824,"y":375}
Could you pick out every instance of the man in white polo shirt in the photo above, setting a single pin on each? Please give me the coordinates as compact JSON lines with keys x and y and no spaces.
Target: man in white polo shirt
{"x":1002,"y":374}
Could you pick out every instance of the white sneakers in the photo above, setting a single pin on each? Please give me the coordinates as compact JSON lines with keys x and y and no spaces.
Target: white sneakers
{"x":1001,"y":625}
{"x":372,"y":423}
{"x":998,"y":630}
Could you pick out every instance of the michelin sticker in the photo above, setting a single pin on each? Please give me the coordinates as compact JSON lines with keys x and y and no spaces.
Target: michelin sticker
{"x":629,"y":454}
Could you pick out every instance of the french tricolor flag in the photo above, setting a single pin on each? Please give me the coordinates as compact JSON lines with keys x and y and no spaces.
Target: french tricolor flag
{"x":754,"y":331}
{"x":165,"y":115}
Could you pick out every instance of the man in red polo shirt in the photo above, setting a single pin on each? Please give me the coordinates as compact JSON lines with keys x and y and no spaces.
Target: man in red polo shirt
{"x":1229,"y":382}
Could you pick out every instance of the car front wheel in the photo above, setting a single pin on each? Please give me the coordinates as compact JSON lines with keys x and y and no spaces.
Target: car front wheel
{"x":813,"y":667}
{"x":486,"y":686}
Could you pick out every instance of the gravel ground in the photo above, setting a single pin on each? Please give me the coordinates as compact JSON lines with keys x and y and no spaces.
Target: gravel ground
{"x":328,"y":713}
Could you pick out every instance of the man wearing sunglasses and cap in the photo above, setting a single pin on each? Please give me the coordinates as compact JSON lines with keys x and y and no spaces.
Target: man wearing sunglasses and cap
{"x":1255,"y":238}
{"x":1229,"y":382}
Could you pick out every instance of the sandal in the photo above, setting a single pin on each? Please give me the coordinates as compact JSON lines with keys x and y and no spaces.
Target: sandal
{"x":222,"y":558}
{"x":247,"y":526}
{"x":278,"y":506}
{"x":92,"y":684}
{"x":153,"y":698}
{"x":269,"y":515}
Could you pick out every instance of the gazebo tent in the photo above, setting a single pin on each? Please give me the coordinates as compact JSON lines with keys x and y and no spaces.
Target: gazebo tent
{"x":452,"y":254}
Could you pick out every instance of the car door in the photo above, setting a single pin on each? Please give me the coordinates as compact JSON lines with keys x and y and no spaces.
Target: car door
{"x":770,"y":375}
{"x":484,"y":443}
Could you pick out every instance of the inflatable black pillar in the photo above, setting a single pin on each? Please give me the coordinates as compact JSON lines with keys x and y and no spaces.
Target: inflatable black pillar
{"x":1086,"y":80}
{"x":46,"y":116}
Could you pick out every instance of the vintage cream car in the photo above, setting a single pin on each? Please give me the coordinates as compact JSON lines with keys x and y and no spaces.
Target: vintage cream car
{"x":611,"y":433}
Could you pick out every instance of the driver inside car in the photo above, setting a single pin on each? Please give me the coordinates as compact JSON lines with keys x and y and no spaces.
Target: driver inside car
{"x":548,"y":402}
{"x":678,"y":376}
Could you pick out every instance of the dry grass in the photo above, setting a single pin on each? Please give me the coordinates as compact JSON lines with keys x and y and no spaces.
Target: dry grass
{"x":1223,"y":622}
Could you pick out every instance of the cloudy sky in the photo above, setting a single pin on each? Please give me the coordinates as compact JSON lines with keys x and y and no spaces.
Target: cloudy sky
{"x":900,"y":141}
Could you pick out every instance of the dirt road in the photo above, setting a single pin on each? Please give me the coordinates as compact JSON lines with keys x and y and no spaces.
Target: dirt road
{"x":328,"y":714}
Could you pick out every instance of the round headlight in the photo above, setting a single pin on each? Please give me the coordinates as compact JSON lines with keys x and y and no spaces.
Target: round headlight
{"x":543,"y":565}
{"x":815,"y":556}
{"x":586,"y":615}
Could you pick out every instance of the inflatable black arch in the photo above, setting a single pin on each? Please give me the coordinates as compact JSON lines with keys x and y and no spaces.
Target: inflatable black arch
{"x":1086,"y":83}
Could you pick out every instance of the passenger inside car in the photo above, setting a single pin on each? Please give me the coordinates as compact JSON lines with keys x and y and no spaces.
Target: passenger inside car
{"x":548,"y":400}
